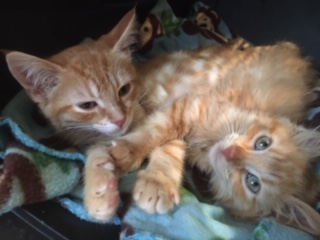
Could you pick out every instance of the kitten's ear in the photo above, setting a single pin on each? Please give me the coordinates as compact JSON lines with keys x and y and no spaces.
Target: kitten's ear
{"x":308,"y":140}
{"x":124,"y":34}
{"x":298,"y":214}
{"x":38,"y":76}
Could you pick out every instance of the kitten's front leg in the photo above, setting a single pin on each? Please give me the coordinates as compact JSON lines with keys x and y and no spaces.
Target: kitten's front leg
{"x":157,"y":187}
{"x":130,"y":150}
{"x":101,"y":196}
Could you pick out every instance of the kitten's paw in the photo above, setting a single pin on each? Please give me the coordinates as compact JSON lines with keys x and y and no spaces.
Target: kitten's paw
{"x":125,"y":155}
{"x":155,"y":193}
{"x":101,"y":191}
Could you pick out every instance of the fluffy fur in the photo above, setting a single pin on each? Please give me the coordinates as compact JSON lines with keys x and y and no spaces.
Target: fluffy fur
{"x":91,"y":93}
{"x":242,"y":129}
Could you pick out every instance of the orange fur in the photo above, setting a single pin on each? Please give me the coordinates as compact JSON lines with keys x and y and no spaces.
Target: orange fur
{"x":93,"y":72}
{"x":191,"y":96}
{"x":90,"y":93}
{"x":261,"y":91}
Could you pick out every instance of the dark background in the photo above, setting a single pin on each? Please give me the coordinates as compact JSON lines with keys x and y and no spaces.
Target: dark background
{"x":44,"y":27}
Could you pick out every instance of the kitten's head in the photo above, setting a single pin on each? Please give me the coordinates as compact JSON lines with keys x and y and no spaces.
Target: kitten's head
{"x":88,"y":88}
{"x":265,"y":166}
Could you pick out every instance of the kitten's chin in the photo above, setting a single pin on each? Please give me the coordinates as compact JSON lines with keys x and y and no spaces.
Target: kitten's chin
{"x":112,"y":130}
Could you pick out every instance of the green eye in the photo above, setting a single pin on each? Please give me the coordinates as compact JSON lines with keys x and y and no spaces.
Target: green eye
{"x":262,"y":143}
{"x":252,"y":183}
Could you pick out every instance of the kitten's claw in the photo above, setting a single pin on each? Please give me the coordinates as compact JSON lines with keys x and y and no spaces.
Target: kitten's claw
{"x":155,"y":193}
{"x":101,"y":195}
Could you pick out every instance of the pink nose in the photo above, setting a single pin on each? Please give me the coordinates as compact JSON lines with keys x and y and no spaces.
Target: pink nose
{"x":229,"y":153}
{"x":120,"y":122}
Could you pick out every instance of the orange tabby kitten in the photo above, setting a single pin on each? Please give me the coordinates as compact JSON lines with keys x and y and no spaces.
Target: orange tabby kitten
{"x":239,"y":131}
{"x":89,"y":92}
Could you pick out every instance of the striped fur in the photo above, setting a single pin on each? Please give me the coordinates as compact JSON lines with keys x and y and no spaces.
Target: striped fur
{"x":90,"y":93}
{"x":91,"y":72}
{"x":187,"y":94}
{"x":261,"y":91}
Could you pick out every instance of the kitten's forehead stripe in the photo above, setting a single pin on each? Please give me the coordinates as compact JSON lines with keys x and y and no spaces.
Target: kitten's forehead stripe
{"x":93,"y":89}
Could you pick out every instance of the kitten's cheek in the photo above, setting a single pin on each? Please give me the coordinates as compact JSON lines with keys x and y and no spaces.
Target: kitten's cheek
{"x":213,"y":155}
{"x":216,"y":159}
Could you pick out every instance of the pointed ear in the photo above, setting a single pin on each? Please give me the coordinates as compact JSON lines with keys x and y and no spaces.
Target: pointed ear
{"x":124,"y":34}
{"x":298,"y":214}
{"x":309,"y":141}
{"x":38,"y":76}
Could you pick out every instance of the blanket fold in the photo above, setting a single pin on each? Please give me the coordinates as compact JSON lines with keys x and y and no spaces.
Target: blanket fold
{"x":32,"y":172}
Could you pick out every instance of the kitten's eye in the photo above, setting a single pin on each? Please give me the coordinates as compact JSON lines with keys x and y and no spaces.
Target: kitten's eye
{"x":87,"y":105}
{"x":253,"y":183}
{"x":262,"y":143}
{"x":124,"y":89}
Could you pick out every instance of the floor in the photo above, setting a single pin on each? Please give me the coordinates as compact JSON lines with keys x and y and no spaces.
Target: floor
{"x":49,"y":220}
{"x":13,"y":228}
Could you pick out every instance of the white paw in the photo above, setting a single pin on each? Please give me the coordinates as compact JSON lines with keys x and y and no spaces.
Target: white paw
{"x":155,"y":193}
{"x":101,"y":192}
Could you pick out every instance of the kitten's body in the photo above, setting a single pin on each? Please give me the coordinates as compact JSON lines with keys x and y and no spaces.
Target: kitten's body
{"x":251,"y":99}
{"x":95,"y":77}
{"x":90,"y":93}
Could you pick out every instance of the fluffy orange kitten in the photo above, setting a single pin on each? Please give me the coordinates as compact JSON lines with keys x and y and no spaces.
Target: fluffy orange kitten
{"x":243,"y":131}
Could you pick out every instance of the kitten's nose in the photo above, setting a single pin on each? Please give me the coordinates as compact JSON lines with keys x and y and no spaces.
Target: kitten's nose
{"x":229,"y":153}
{"x":120,"y":122}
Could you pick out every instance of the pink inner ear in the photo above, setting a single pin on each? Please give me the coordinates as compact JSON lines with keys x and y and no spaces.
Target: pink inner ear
{"x":125,"y":31}
{"x":300,"y":215}
{"x":41,"y":80}
{"x":38,"y":76}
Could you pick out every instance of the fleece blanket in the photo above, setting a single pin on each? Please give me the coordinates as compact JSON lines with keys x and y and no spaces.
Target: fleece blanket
{"x":34,"y":166}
